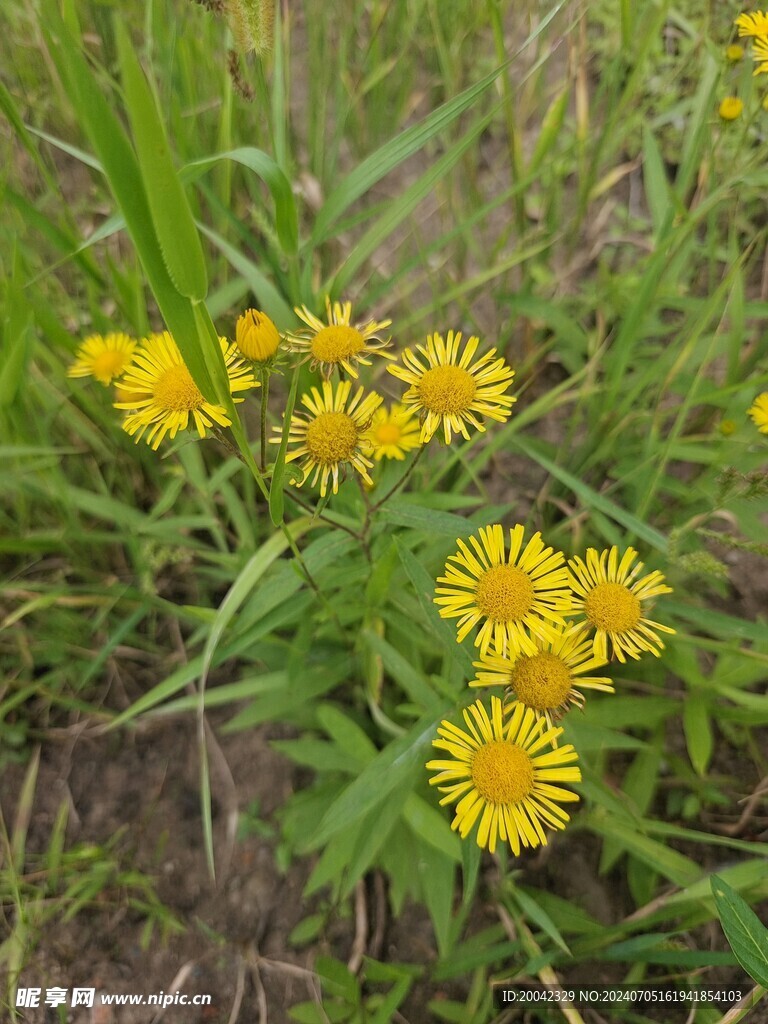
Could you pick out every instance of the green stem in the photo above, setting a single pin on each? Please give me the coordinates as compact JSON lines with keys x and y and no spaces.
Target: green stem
{"x":264,"y":401}
{"x":403,"y":480}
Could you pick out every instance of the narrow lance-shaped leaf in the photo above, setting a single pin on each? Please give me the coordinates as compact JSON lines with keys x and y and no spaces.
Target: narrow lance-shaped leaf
{"x":747,"y":936}
{"x":122,"y":171}
{"x":262,"y":164}
{"x":171,"y":215}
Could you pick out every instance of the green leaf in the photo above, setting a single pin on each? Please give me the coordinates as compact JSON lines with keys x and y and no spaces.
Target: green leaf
{"x":539,"y":917}
{"x":424,"y":586}
{"x":346,"y":734}
{"x":15,"y":338}
{"x":286,"y":217}
{"x":673,"y":865}
{"x":591,"y":498}
{"x":431,"y":826}
{"x":397,"y":150}
{"x":429,"y":520}
{"x":268,"y":297}
{"x":171,"y":215}
{"x":405,"y":203}
{"x":551,"y":124}
{"x":124,"y":177}
{"x":698,"y":732}
{"x":243,"y":586}
{"x":400,"y":760}
{"x":746,"y":934}
{"x":657,"y":191}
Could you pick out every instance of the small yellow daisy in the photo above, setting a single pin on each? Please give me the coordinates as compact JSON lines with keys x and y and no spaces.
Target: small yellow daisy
{"x":393,"y":432}
{"x":338,"y":343}
{"x":730,"y":108}
{"x":164,"y":394}
{"x":550,"y":681}
{"x":609,"y":595}
{"x":753,"y":24}
{"x":334,"y":434}
{"x":513,"y":596}
{"x":734,"y":52}
{"x":760,"y":55}
{"x":256,"y":336}
{"x":448,"y":390}
{"x":759,"y":412}
{"x":103,"y":357}
{"x":503,"y":775}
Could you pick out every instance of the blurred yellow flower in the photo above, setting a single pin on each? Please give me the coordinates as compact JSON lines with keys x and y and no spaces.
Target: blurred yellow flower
{"x":164,"y":393}
{"x":727,"y":427}
{"x":338,"y":343}
{"x":754,"y":24}
{"x":103,"y":357}
{"x":334,"y":433}
{"x":759,"y":412}
{"x":513,"y":596}
{"x":504,"y":775}
{"x":734,"y":52}
{"x":610,"y":597}
{"x":256,"y":336}
{"x":450,"y":390}
{"x":393,"y":432}
{"x":730,"y":108}
{"x":760,"y":55}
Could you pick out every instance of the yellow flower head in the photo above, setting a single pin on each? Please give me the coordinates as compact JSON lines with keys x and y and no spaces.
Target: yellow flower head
{"x":760,"y":55}
{"x":393,"y":432}
{"x":610,"y":597}
{"x":734,"y":52}
{"x":759,"y":412}
{"x":448,"y":390}
{"x":549,"y":681}
{"x":730,"y":108}
{"x":164,"y":394}
{"x":256,"y":336}
{"x":515,"y":596}
{"x":504,"y":775}
{"x":753,"y":24}
{"x":103,"y":357}
{"x":338,"y":343}
{"x":334,"y":433}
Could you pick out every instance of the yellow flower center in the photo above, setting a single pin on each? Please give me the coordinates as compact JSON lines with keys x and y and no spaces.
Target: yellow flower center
{"x":542,"y":681}
{"x":502,"y":772}
{"x":336,"y":342}
{"x":612,"y":607}
{"x":388,"y":433}
{"x":447,"y":389}
{"x":175,"y":391}
{"x":504,"y":593}
{"x":109,"y":363}
{"x":332,"y":437}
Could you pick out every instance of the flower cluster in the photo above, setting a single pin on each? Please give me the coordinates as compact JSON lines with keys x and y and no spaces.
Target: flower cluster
{"x":451,"y":389}
{"x":543,"y":627}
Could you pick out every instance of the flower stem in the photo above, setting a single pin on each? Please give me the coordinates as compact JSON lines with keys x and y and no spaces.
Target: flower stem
{"x":403,"y":480}
{"x":264,"y":399}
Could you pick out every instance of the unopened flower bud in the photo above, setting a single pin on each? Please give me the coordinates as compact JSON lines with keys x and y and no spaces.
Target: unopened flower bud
{"x":256,"y":336}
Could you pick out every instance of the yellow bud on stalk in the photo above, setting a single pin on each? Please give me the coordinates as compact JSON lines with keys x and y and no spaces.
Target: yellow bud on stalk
{"x":256,"y":336}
